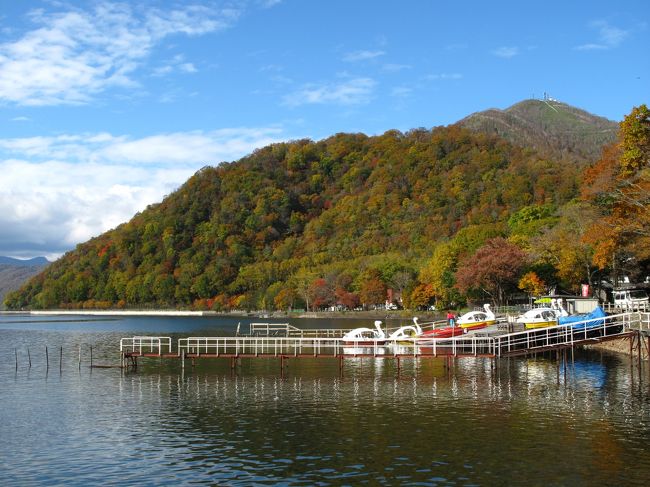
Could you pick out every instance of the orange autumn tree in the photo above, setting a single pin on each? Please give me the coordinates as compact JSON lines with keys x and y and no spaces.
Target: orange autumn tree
{"x":531,"y":284}
{"x":619,"y":185}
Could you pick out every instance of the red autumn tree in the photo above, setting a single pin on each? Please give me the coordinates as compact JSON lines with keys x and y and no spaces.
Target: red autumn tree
{"x":493,"y":269}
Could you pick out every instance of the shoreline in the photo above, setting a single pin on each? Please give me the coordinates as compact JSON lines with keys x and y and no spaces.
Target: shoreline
{"x":354,"y":315}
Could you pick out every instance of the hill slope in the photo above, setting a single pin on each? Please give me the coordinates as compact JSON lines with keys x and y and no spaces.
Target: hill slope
{"x":15,"y":272}
{"x":304,"y":207}
{"x":551,"y":127}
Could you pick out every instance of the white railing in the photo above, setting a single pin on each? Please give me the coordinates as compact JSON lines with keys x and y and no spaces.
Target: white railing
{"x":146,"y":344}
{"x":618,"y":308}
{"x":568,"y":334}
{"x":465,"y":345}
{"x":644,"y":322}
{"x":275,"y":346}
{"x":287,"y":330}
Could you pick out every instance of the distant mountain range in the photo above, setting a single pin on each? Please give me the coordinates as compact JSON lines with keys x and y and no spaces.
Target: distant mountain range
{"x":551,"y":127}
{"x":14,"y":272}
{"x":36,"y":261}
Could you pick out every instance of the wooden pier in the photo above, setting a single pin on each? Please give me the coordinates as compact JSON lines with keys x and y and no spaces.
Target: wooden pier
{"x":309,"y":344}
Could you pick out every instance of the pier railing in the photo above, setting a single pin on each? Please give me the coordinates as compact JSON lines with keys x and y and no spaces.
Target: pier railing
{"x":287,"y":330}
{"x":566,"y":335}
{"x":481,"y":342}
{"x":274,"y":346}
{"x":644,"y":322}
{"x":618,"y":308}
{"x":146,"y":345}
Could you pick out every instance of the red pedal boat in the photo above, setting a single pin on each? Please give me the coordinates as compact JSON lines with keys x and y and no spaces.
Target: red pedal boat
{"x":446,"y":332}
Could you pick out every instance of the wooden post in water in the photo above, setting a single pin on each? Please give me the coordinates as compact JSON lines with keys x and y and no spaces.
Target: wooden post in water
{"x":639,"y":340}
{"x":16,"y":353}
{"x":91,"y":356}
{"x":47,"y":359}
{"x":80,"y":356}
{"x":61,"y":360}
{"x":29,"y":357}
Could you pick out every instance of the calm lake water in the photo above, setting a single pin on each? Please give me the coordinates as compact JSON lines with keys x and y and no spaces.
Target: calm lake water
{"x":519,"y":422}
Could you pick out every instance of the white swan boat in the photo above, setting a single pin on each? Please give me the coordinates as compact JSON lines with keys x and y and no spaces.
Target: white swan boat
{"x":365,"y":336}
{"x":406,"y":334}
{"x":475,"y":320}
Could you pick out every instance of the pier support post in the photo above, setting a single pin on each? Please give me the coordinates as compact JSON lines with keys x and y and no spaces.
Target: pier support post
{"x":47,"y":359}
{"x":91,"y":356}
{"x":183,"y":359}
{"x":29,"y":357}
{"x":16,"y":353}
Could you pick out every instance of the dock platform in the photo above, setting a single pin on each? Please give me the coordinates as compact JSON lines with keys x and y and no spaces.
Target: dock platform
{"x":632,"y":326}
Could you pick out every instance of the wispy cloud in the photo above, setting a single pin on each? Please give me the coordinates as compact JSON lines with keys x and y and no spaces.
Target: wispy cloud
{"x":20,"y":119}
{"x":177,"y":64}
{"x":70,"y":56}
{"x":442,"y":76}
{"x":355,"y":56}
{"x":609,"y":37}
{"x":506,"y":52}
{"x":58,"y":191}
{"x":269,"y":3}
{"x":395,"y":68}
{"x":350,"y":92}
{"x":401,"y":91}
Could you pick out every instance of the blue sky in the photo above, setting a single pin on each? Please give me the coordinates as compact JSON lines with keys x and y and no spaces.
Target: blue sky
{"x":108,"y":106}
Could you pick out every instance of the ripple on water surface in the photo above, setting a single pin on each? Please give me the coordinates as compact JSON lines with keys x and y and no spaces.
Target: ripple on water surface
{"x":517,"y":422}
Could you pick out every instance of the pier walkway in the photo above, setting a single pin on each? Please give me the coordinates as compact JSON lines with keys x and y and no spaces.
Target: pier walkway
{"x":306,"y":343}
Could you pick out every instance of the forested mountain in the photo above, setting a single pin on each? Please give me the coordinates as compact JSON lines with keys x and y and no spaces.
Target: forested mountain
{"x":338,"y":222}
{"x":549,"y":126}
{"x":15,"y":272}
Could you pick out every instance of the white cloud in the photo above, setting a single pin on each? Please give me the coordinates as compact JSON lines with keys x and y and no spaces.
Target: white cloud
{"x":401,"y":91}
{"x":609,"y":37}
{"x":58,"y":191}
{"x":73,"y":55}
{"x":395,"y":68}
{"x":442,"y":76}
{"x":506,"y":52}
{"x":362,"y":55}
{"x":350,"y":92}
{"x":187,"y":68}
{"x":269,"y":3}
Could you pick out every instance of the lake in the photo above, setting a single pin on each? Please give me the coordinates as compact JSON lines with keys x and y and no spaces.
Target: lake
{"x":521,"y":421}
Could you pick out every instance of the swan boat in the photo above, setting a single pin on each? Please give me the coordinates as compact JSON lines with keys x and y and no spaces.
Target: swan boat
{"x":542,"y":317}
{"x":475,"y":320}
{"x":365,"y":336}
{"x":406,"y":334}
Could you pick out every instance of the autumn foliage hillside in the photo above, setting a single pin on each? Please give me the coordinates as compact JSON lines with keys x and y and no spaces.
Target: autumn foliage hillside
{"x":334,"y":222}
